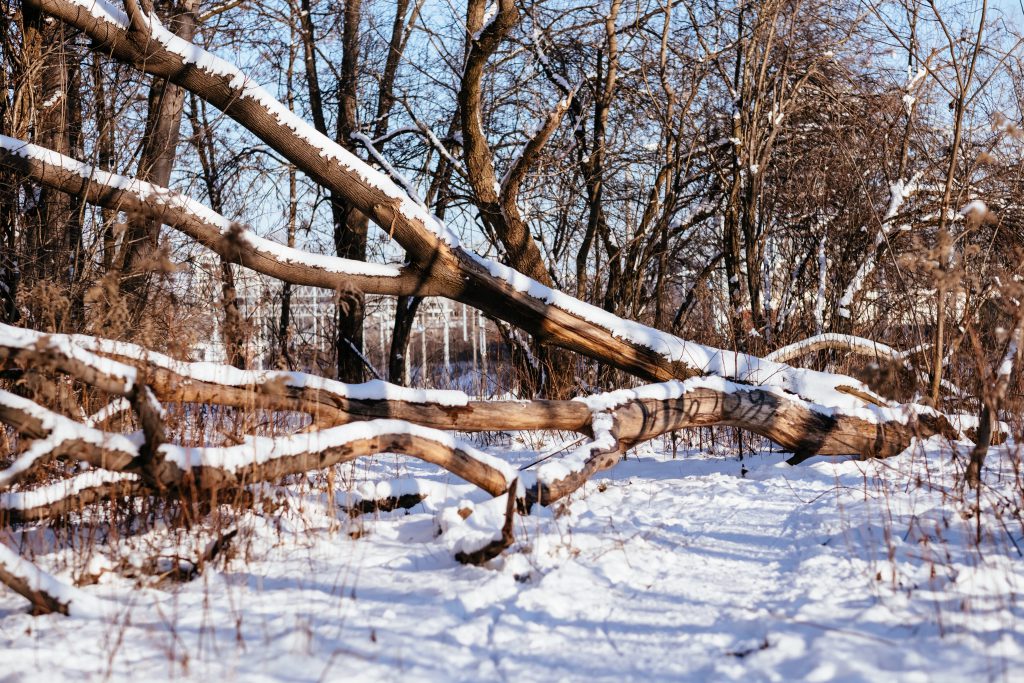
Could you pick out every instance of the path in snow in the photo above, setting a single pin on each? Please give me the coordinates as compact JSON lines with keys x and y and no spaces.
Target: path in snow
{"x":663,"y":569}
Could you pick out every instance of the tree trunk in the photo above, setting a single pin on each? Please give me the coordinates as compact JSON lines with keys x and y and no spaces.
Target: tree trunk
{"x":156,"y":162}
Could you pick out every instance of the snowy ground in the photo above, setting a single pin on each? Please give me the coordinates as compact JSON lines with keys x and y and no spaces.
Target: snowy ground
{"x":695,"y":568}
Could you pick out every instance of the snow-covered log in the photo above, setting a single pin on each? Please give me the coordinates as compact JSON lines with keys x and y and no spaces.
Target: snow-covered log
{"x":62,"y":497}
{"x":46,"y":593}
{"x":231,"y":240}
{"x":56,"y":435}
{"x":615,"y":421}
{"x":58,"y":352}
{"x":625,"y":418}
{"x":256,"y":459}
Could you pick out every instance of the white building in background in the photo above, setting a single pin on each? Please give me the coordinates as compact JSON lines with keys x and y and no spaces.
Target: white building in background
{"x":443,"y":332}
{"x":259,"y":298}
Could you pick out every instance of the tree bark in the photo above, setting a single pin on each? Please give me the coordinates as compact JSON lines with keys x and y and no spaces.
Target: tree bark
{"x":156,"y":162}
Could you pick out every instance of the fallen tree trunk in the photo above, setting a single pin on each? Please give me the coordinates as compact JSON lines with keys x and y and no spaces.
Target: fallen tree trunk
{"x":615,"y":421}
{"x":45,"y":592}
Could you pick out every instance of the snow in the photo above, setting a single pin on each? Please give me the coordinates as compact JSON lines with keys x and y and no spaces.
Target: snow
{"x":819,"y":299}
{"x":393,"y":173}
{"x":661,"y":569}
{"x":868,"y":346}
{"x":662,"y":391}
{"x":542,"y":57}
{"x":899,"y":192}
{"x":976,"y":207}
{"x":440,"y":148}
{"x":52,"y":100}
{"x":489,"y":16}
{"x":476,"y":531}
{"x":553,"y":470}
{"x":1006,"y":365}
{"x":912,"y":81}
{"x":324,"y":262}
{"x":394,"y":488}
{"x":115,"y":407}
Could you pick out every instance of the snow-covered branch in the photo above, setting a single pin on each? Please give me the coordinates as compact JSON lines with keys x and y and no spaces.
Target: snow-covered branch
{"x":393,"y":173}
{"x":231,"y":240}
{"x":841,"y":342}
{"x":46,"y":593}
{"x":899,"y":192}
{"x":256,"y":459}
{"x":64,"y":496}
